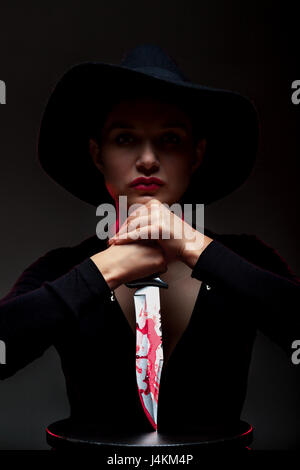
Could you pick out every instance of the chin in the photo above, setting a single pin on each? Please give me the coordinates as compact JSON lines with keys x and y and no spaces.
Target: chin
{"x":146,"y":197}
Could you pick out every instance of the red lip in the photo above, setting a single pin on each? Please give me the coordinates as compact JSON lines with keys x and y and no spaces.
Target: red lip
{"x":142,"y":180}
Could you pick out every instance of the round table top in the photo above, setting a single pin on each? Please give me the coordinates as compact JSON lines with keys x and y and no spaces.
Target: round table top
{"x":66,"y":434}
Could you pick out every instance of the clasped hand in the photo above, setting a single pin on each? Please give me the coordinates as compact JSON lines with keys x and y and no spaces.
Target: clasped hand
{"x":154,"y":221}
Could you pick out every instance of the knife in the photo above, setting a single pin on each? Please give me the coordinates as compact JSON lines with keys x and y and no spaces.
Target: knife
{"x":149,"y":349}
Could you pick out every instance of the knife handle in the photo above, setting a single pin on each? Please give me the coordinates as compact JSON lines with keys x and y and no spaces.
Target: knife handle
{"x":147,"y":281}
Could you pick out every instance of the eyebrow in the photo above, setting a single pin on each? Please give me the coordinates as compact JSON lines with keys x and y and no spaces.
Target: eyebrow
{"x":166,"y":125}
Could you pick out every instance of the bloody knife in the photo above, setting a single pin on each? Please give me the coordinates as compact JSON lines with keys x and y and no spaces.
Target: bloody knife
{"x":149,"y":350}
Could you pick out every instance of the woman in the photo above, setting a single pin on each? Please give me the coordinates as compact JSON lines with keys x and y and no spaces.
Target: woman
{"x":147,"y":147}
{"x":144,"y":119}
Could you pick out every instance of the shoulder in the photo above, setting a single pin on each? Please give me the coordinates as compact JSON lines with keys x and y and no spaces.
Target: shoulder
{"x":59,"y":260}
{"x":53,"y":264}
{"x":256,"y":251}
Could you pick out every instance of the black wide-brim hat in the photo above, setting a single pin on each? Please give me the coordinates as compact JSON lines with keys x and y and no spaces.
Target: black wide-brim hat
{"x":83,"y":96}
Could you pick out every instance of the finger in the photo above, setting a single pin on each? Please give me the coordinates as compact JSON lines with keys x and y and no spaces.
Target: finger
{"x":140,"y":217}
{"x":132,"y":225}
{"x":139,"y":233}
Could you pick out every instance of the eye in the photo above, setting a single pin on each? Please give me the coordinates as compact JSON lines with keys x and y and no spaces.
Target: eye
{"x":123,"y":139}
{"x":171,"y":138}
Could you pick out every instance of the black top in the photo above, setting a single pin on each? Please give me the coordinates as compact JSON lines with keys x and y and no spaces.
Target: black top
{"x":63,"y":300}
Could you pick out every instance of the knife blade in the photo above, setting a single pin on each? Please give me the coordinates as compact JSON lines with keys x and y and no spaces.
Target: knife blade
{"x":149,"y":348}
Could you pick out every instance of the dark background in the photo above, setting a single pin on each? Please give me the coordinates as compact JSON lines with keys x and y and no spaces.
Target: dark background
{"x":247,"y":46}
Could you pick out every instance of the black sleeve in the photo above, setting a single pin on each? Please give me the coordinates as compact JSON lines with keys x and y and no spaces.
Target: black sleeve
{"x":35,"y":311}
{"x":262,"y":278}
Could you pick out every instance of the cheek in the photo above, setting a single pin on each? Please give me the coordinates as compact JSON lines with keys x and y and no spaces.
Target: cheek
{"x":178,"y":178}
{"x":116,"y":169}
{"x":180,"y":170}
{"x":117,"y":175}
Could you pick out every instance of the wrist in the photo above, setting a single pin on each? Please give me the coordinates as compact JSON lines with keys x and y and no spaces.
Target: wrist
{"x":193,"y":250}
{"x":105,"y":267}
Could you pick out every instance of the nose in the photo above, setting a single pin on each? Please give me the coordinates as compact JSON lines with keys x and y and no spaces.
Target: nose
{"x":147,"y":159}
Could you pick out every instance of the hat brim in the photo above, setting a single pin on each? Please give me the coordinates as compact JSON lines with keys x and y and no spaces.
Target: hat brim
{"x":231,"y":130}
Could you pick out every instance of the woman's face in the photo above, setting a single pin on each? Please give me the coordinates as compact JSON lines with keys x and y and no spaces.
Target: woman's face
{"x":146,"y":137}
